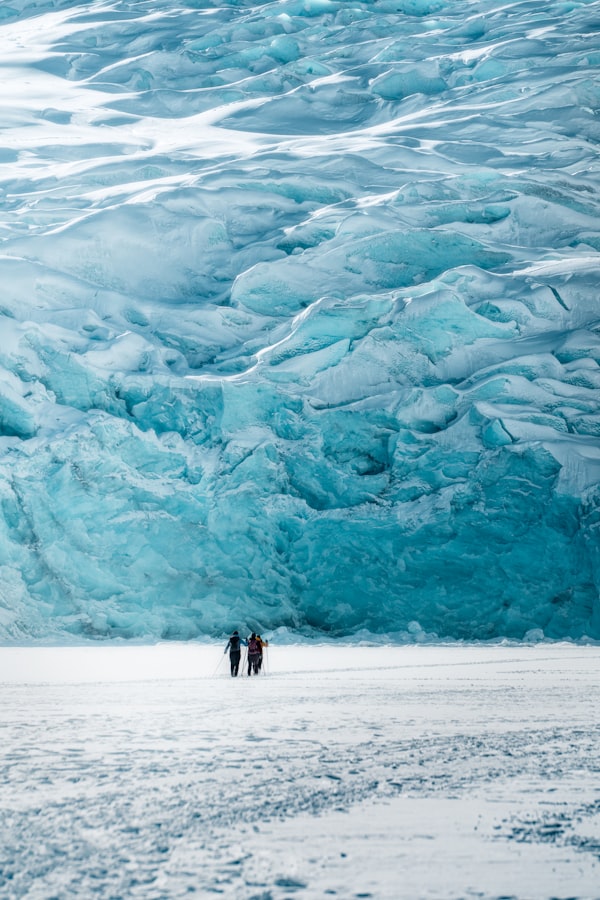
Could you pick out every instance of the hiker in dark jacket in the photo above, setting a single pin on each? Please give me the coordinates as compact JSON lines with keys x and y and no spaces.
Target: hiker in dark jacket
{"x":234,"y":645}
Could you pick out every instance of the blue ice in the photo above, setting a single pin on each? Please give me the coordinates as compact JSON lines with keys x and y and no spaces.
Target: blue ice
{"x":299,"y":325}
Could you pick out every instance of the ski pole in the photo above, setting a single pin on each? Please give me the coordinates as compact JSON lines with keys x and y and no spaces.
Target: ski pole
{"x":219,"y":664}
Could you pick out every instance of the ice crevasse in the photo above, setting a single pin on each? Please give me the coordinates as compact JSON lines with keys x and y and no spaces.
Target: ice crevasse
{"x":299,"y":319}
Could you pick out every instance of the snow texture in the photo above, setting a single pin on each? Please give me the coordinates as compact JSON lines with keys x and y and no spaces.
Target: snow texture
{"x":299,"y":318}
{"x":414,"y":773}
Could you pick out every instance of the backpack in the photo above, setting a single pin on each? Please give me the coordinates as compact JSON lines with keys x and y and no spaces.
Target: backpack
{"x":253,"y":646}
{"x":234,"y":642}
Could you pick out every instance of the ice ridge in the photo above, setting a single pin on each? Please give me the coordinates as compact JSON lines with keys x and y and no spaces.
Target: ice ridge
{"x":299,"y":320}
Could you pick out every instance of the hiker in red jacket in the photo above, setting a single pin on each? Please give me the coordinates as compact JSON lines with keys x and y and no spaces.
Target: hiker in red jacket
{"x":254,"y":650}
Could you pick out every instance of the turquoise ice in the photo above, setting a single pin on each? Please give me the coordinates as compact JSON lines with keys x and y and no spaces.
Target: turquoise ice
{"x":299,"y":319}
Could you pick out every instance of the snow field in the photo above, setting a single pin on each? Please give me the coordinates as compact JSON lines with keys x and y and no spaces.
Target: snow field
{"x":385,"y":772}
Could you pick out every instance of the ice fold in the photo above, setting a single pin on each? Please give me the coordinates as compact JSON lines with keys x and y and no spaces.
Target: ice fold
{"x":299,"y":320}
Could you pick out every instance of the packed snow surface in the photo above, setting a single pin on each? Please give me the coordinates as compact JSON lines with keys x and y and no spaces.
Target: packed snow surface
{"x":414,"y":773}
{"x":299,"y":318}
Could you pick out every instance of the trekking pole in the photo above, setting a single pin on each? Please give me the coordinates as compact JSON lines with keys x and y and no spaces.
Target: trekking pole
{"x":219,"y":664}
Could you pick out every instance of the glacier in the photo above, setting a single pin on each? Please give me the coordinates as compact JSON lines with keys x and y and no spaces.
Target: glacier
{"x":299,"y":319}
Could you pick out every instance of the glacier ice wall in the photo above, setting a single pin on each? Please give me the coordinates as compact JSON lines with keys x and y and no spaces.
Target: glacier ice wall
{"x":299,"y":318}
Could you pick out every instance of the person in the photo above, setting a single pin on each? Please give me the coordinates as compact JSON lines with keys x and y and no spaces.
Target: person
{"x":261,"y":645}
{"x":253,"y":654}
{"x":234,"y":645}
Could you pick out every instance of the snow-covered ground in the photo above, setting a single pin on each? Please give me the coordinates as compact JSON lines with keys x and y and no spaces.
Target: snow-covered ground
{"x":384,"y":772}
